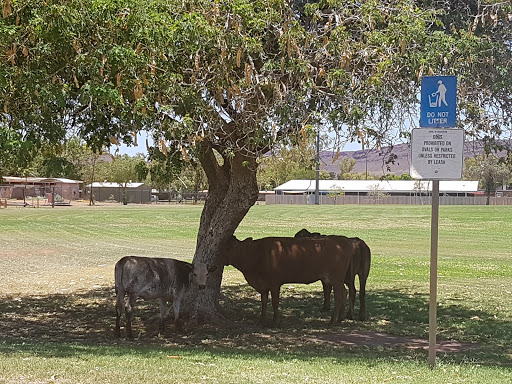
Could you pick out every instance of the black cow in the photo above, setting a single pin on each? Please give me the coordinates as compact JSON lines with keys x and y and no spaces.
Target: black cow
{"x":360,"y":266}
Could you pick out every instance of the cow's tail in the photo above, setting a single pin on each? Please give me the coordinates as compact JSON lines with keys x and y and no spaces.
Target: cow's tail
{"x":118,"y":285}
{"x":118,"y":274}
{"x":365,"y":257}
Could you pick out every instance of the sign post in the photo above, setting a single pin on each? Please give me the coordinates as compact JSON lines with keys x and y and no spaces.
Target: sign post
{"x":436,"y":154}
{"x":434,"y":241}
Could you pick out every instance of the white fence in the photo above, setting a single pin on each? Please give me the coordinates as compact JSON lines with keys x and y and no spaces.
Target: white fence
{"x":416,"y":200}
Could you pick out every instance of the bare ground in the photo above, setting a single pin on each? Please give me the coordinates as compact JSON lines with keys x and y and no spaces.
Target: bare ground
{"x":88,"y":317}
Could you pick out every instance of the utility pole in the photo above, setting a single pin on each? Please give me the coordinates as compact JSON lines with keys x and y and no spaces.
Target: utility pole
{"x":317,"y":189}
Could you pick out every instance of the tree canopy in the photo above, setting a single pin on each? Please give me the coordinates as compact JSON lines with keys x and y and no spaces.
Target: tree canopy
{"x":224,"y":82}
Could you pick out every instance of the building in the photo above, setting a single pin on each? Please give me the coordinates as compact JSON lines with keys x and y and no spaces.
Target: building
{"x":456,"y":192}
{"x":22,"y":187}
{"x":378,"y":187}
{"x":129,"y":192}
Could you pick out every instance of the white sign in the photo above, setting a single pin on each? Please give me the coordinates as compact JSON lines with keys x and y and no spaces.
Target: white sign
{"x":437,"y":154}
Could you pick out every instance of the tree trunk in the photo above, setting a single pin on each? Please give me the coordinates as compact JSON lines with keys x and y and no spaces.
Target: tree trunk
{"x":232,"y":191}
{"x":91,"y":195}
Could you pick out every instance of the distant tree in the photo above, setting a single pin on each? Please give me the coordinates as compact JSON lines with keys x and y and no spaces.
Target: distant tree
{"x":403,"y":176}
{"x":191,"y":178}
{"x":15,"y":153}
{"x":489,"y":171}
{"x":122,"y":170}
{"x":284,"y":165}
{"x":89,"y":174}
{"x":66,"y":160}
{"x":346,"y":166}
{"x":359,"y":176}
{"x":376,"y":191}
{"x":335,"y":193}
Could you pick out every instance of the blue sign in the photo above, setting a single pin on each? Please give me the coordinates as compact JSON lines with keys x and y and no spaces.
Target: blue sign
{"x":438,"y":101}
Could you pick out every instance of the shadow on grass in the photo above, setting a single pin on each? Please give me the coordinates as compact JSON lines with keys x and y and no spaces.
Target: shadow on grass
{"x":66,"y":324}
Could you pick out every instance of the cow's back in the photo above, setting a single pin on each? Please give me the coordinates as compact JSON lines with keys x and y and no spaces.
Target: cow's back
{"x":151,"y":277}
{"x":301,"y":260}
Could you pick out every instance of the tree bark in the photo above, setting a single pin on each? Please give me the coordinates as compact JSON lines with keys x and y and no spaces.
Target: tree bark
{"x":232,"y":191}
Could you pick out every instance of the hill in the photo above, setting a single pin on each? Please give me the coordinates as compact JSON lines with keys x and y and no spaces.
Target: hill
{"x":377,"y":162}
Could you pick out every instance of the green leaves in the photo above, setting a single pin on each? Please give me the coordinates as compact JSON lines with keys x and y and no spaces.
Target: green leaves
{"x":247,"y":73}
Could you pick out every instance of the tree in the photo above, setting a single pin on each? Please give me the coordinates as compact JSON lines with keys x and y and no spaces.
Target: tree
{"x":284,"y":165}
{"x":67,"y":160}
{"x":15,"y":153}
{"x":189,"y":176}
{"x":377,"y":192}
{"x":346,"y":167}
{"x":403,"y":176}
{"x":231,"y":80}
{"x":122,"y":170}
{"x":490,"y":172}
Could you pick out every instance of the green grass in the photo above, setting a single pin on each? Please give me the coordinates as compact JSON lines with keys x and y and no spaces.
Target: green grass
{"x":56,"y":299}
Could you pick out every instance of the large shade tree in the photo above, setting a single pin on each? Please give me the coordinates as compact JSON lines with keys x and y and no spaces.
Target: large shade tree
{"x":224,"y":81}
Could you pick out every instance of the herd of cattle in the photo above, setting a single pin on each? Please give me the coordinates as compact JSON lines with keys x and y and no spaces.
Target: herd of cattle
{"x":266,"y":264}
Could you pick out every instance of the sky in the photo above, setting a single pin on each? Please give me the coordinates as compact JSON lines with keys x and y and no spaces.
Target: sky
{"x":141,"y":148}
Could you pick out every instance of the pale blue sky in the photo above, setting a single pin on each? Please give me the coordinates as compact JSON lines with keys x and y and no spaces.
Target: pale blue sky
{"x":141,"y":148}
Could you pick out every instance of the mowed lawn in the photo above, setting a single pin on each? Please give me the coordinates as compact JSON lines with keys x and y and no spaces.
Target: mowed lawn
{"x":57,"y":315}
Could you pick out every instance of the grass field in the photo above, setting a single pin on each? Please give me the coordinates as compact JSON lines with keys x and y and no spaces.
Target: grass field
{"x":57,"y":317}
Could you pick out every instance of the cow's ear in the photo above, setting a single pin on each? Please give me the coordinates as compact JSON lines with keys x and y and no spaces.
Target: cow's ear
{"x":213,"y":268}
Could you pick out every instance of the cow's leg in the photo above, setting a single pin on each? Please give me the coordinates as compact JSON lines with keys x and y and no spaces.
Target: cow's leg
{"x":176,"y":308}
{"x":119,"y":311}
{"x":275,"y":304}
{"x":340,"y":295}
{"x":327,"y":296}
{"x":352,"y":299}
{"x":362,"y":298}
{"x":128,"y":309}
{"x":264,"y":302}
{"x":163,"y":313}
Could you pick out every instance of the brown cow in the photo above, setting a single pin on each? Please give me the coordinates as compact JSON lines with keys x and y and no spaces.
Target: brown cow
{"x":270,"y":262}
{"x":360,"y":266}
{"x":155,"y":278}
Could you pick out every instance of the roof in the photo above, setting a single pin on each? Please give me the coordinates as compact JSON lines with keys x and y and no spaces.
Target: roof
{"x":380,"y":185}
{"x":114,"y":185}
{"x":51,"y":180}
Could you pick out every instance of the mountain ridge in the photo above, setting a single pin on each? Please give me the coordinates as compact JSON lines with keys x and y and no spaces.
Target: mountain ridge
{"x":394,"y":160}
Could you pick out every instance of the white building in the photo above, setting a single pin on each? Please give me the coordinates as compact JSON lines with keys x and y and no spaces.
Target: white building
{"x":371,"y":187}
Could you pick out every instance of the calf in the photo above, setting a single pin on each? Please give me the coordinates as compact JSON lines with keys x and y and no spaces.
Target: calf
{"x":360,"y":266}
{"x":155,"y":278}
{"x":270,"y":262}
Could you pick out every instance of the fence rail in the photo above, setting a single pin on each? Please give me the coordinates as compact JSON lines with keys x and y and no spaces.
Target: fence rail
{"x":413,"y":200}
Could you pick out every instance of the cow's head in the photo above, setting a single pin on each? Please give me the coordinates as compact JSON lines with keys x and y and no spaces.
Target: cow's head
{"x":229,"y":248}
{"x":305,"y":233}
{"x":200,"y":273}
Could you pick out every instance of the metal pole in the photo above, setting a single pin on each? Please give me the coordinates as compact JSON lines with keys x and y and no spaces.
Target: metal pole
{"x":434,"y":237}
{"x":317,"y":189}
{"x":366,"y":167}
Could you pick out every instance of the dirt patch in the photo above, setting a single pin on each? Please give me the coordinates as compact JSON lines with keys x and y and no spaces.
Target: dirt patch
{"x":373,"y":339}
{"x":28,"y":252}
{"x":89,"y":317}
